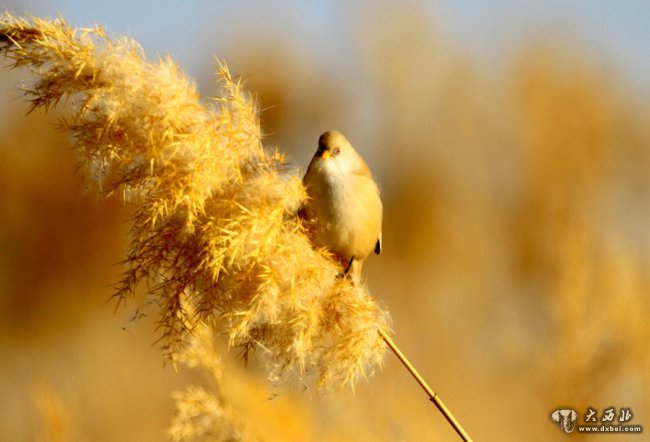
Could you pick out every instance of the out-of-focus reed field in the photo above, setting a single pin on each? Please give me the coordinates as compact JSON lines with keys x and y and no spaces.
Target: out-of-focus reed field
{"x":516,"y":248}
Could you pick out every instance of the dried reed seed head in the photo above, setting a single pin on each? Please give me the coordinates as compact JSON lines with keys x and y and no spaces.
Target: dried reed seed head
{"x":215,"y":226}
{"x":199,"y":415}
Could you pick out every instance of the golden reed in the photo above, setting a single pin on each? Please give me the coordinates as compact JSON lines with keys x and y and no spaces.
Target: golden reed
{"x":215,"y":235}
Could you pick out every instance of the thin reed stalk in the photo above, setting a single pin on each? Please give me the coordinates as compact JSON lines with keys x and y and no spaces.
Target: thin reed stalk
{"x":433,"y":397}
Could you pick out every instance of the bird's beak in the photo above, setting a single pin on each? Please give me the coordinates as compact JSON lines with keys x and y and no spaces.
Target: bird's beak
{"x":326,"y":155}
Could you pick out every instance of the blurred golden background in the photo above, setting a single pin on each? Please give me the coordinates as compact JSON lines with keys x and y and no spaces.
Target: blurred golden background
{"x":515,"y":184}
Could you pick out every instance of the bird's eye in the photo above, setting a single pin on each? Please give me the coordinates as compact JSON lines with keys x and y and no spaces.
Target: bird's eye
{"x":337,"y":150}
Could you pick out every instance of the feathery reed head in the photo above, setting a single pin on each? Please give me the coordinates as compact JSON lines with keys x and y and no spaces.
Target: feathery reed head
{"x":215,"y":228}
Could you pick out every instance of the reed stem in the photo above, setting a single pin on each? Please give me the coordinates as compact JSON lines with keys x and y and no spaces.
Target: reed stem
{"x":433,"y":397}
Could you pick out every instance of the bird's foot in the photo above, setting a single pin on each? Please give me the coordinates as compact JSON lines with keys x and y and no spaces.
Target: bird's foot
{"x":347,"y":273}
{"x":347,"y":269}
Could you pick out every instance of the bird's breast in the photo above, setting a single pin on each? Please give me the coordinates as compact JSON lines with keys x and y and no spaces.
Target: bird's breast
{"x":347,"y":210}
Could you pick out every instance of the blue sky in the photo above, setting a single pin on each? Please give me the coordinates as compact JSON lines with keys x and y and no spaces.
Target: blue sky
{"x":620,"y":30}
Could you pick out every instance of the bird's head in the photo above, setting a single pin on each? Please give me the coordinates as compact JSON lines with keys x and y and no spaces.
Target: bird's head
{"x":334,"y":150}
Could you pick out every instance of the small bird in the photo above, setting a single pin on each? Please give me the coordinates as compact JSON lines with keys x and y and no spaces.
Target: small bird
{"x":343,"y":205}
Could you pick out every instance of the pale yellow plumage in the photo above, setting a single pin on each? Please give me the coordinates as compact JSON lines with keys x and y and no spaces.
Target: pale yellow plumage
{"x":343,"y":205}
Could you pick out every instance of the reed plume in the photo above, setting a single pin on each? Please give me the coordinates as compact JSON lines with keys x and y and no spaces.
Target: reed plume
{"x":201,"y":414}
{"x":215,"y":234}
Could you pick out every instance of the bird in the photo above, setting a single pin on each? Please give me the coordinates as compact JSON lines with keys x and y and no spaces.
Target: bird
{"x":343,"y":208}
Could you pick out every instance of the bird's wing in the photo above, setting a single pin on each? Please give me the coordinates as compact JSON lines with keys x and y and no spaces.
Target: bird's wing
{"x":378,"y":245}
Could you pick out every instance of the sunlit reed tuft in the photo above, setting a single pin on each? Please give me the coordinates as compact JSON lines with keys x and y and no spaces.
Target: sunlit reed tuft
{"x":215,"y":234}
